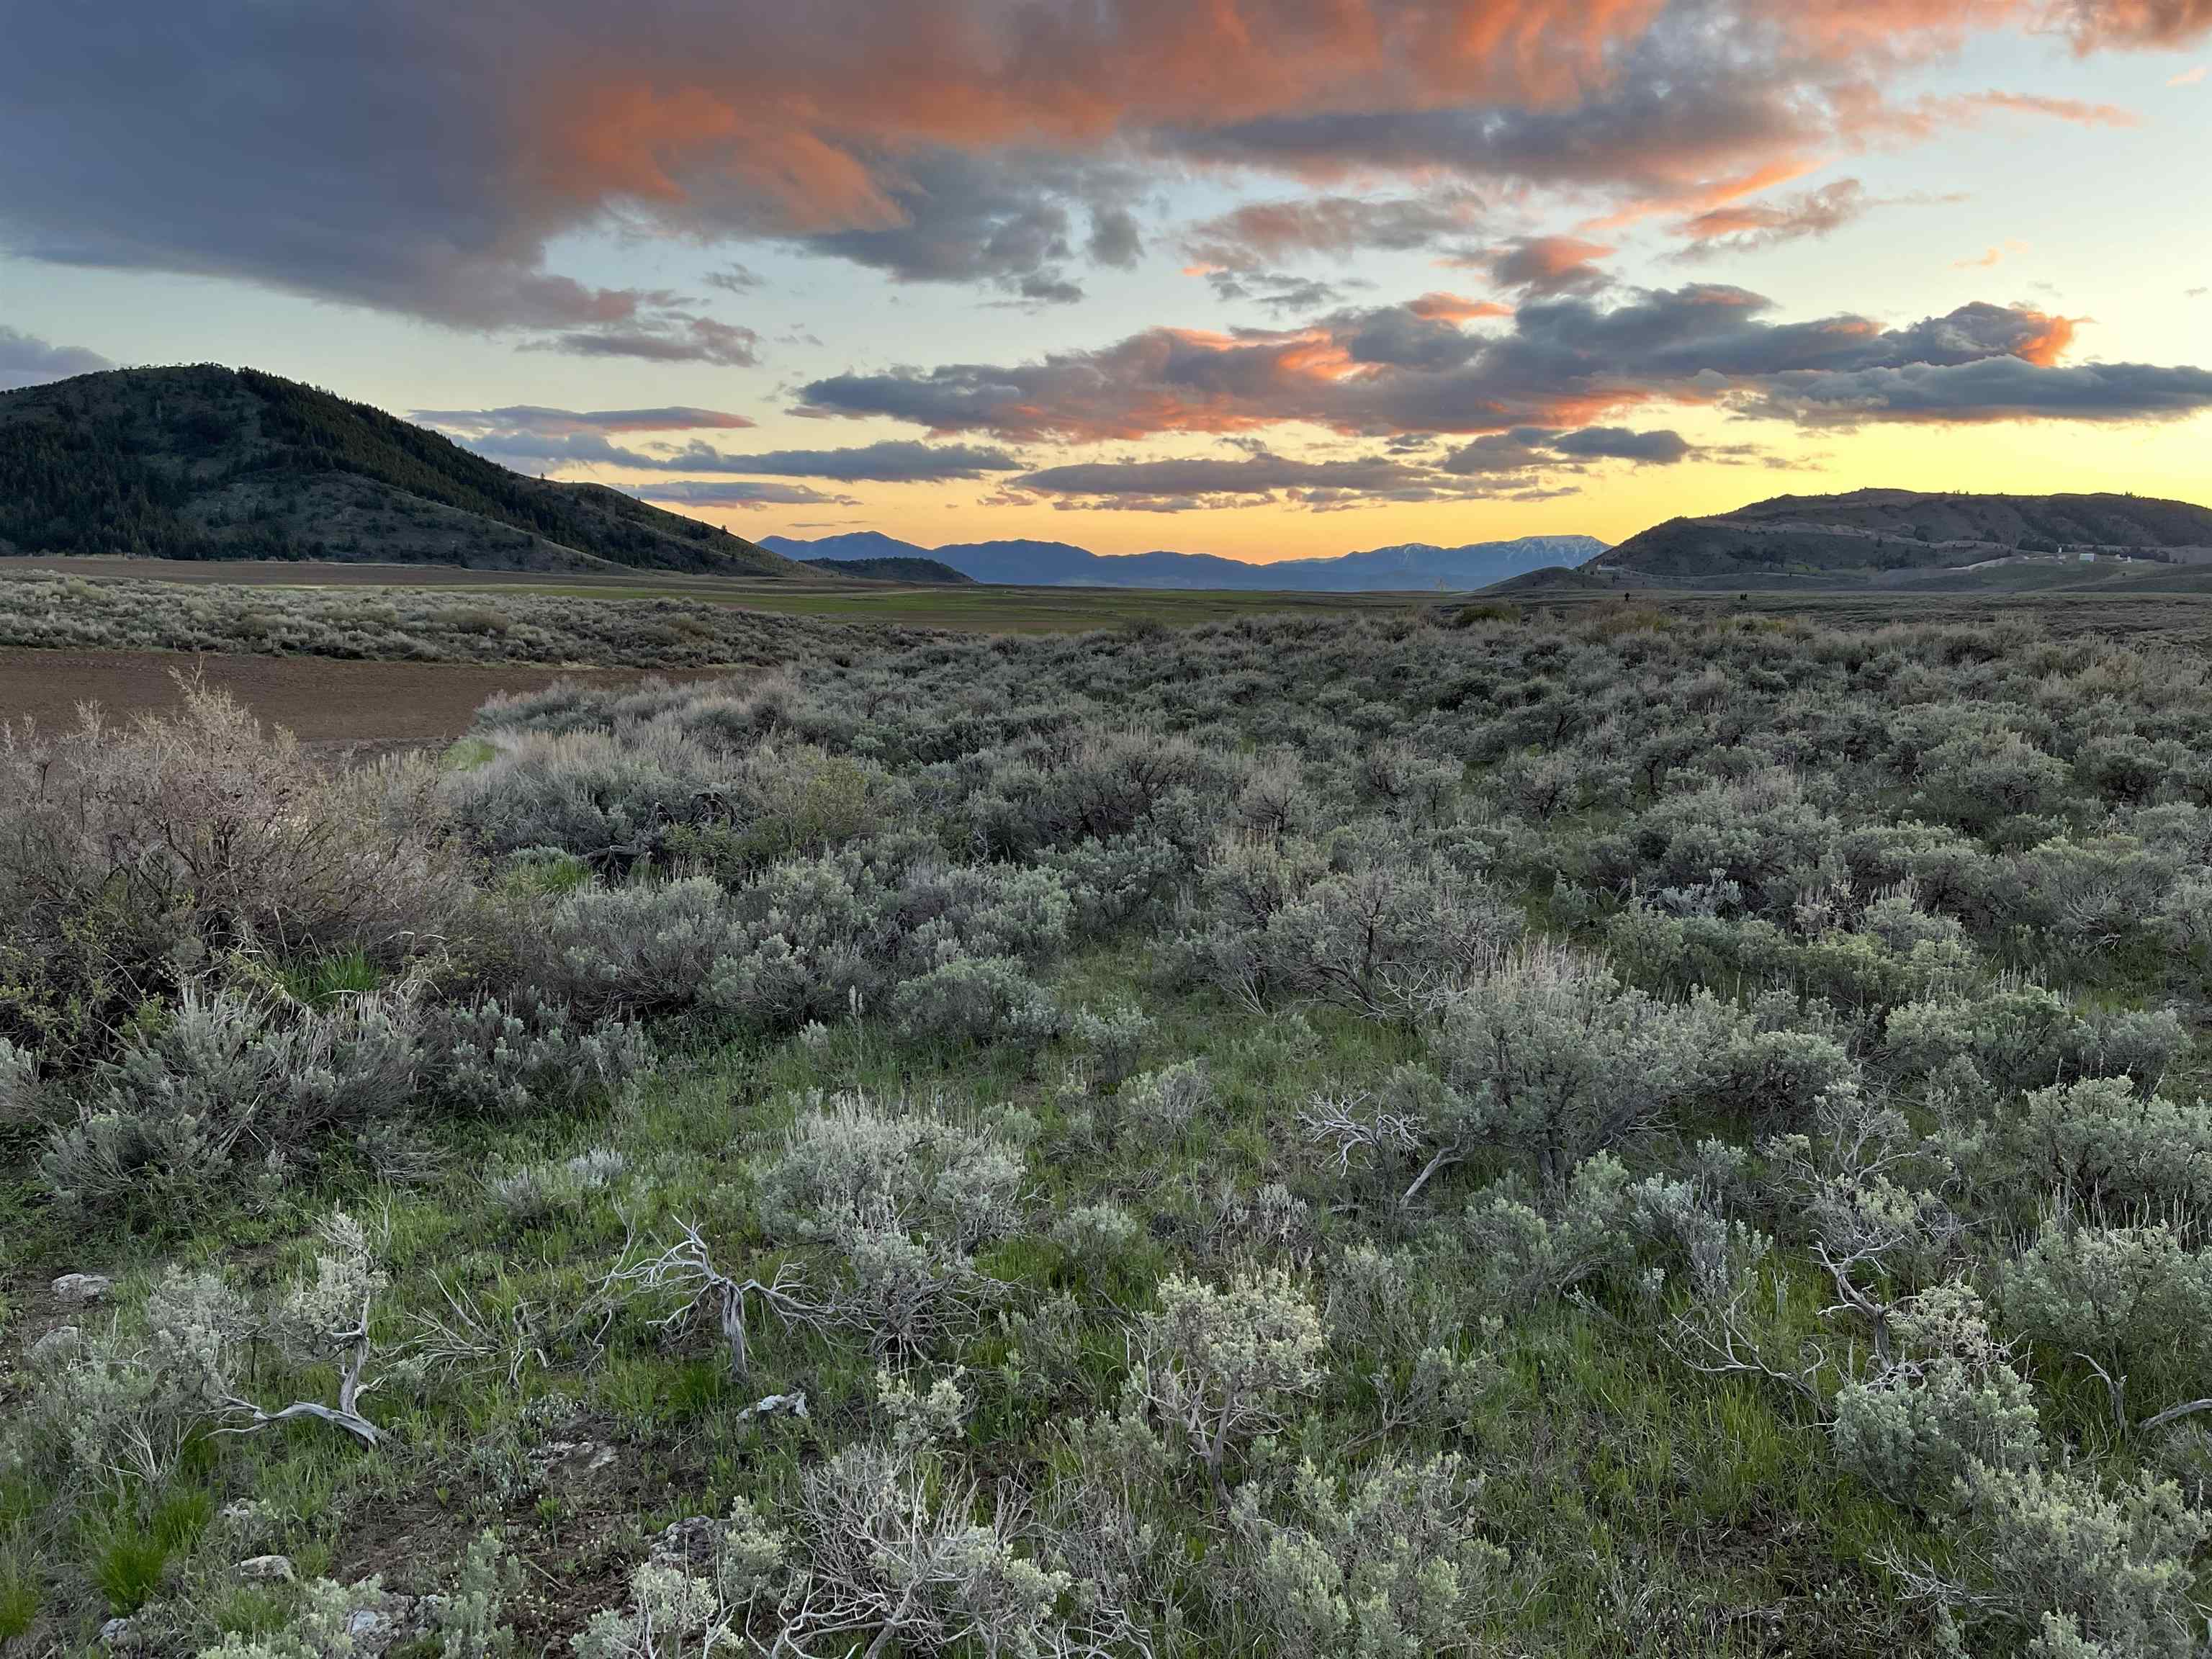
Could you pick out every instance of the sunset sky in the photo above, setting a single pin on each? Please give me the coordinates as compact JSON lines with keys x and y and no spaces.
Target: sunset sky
{"x":1263,"y":277}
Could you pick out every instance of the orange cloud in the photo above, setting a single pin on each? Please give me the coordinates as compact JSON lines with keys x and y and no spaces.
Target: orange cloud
{"x":801,"y":107}
{"x":806,"y":113}
{"x":1543,"y":264}
{"x":1455,"y":309}
{"x":2059,"y":109}
{"x":1932,"y":26}
{"x":2049,"y":340}
{"x":2095,"y":23}
{"x":1695,"y":195}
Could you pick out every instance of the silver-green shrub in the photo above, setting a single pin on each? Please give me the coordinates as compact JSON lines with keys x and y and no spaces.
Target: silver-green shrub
{"x":1110,"y":1039}
{"x":229,"y":1081}
{"x":608,"y":797}
{"x":1160,"y":1105}
{"x":1390,"y":1563}
{"x":2102,"y":1144}
{"x":639,"y":949}
{"x":1219,"y":1367}
{"x":1556,"y":1060}
{"x":497,"y":1056}
{"x":1942,"y":1401}
{"x":979,"y":1001}
{"x":1385,"y":937}
{"x":118,"y":1408}
{"x":2136,"y":1301}
{"x":2083,"y":1571}
{"x":678,"y":1607}
{"x":851,"y":1164}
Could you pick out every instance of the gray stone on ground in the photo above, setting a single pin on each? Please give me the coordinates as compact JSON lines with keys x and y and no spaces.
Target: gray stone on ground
{"x":57,"y":1344}
{"x":689,"y":1543}
{"x":374,"y":1629}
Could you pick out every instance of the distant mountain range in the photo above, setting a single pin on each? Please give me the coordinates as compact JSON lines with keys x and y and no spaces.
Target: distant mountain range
{"x":1904,"y":537}
{"x":1415,"y":566}
{"x":213,"y":462}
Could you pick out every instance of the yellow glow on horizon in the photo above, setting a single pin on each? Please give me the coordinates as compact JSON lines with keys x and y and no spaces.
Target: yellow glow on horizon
{"x":2168,"y":459}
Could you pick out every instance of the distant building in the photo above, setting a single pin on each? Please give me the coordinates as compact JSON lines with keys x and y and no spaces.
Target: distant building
{"x":2088,"y":556}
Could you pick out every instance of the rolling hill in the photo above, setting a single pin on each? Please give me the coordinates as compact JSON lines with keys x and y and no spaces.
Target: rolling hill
{"x":206,"y":462}
{"x":1902,"y":538}
{"x":1414,"y":565}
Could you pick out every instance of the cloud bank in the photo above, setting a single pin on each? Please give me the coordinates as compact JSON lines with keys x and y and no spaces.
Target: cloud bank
{"x":427,"y":158}
{"x":1565,"y":362}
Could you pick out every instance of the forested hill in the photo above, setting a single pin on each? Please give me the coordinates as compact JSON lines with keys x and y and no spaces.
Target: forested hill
{"x":1875,"y":532}
{"x":207,"y":462}
{"x":896,"y":568}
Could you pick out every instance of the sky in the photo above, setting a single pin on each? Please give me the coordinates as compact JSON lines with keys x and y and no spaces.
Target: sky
{"x":1267,"y":279}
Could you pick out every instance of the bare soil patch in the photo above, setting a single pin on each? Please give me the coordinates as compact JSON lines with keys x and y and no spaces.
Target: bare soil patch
{"x":327,"y":701}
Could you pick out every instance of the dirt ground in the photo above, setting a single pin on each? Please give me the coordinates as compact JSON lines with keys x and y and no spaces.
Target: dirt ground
{"x":328,"y":702}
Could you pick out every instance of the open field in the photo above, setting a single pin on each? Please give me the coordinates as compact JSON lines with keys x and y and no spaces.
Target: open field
{"x":1593,"y":1130}
{"x":343,"y":659}
{"x":2125,"y":614}
{"x":989,"y":609}
{"x":2106,"y":579}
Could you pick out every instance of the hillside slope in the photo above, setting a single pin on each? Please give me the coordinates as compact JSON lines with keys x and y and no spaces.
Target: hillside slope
{"x":1898,"y":538}
{"x":1414,"y":565}
{"x":893,"y":568}
{"x":207,"y":462}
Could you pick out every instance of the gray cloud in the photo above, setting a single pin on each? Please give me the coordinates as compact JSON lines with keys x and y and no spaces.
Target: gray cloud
{"x":1115,"y":237}
{"x":1990,"y":389}
{"x":1546,"y":266}
{"x":1531,"y":448}
{"x":539,"y":440}
{"x":1259,"y":234}
{"x":1279,"y":291}
{"x":895,"y":460}
{"x":669,"y":337}
{"x":1747,"y":227}
{"x":26,"y":359}
{"x":725,"y":493}
{"x":1397,"y":336}
{"x":1702,"y":99}
{"x":1657,"y":448}
{"x":1517,"y":451}
{"x":735,"y":279}
{"x":1260,"y":475}
{"x":1529,"y":463}
{"x":1003,"y":220}
{"x":517,"y":419}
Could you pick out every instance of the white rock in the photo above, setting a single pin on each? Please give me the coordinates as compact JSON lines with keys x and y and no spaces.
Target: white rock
{"x":57,"y":1344}
{"x":266,"y":1568}
{"x":75,"y":1290}
{"x":116,"y":1634}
